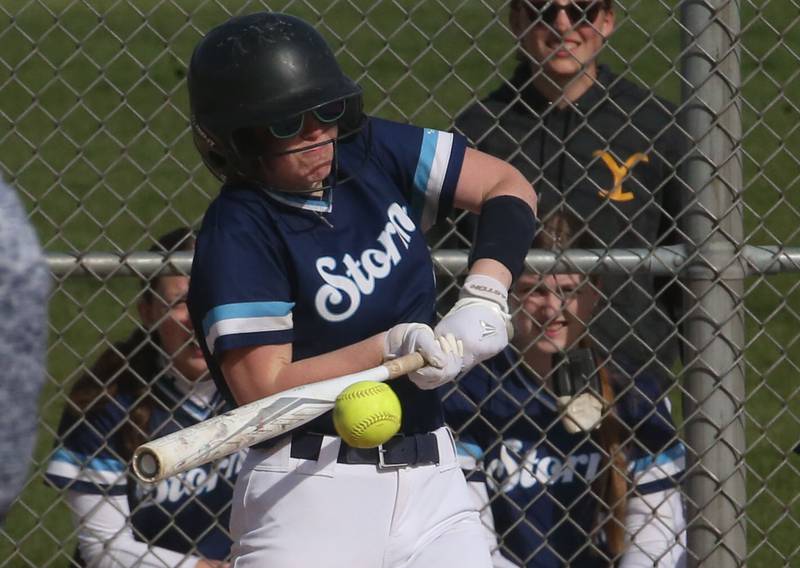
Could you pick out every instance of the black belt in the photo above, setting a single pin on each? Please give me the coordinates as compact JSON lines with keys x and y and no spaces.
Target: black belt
{"x":399,"y":451}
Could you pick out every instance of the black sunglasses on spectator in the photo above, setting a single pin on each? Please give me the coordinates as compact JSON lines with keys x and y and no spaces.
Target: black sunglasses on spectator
{"x":579,"y":13}
{"x":291,"y":127}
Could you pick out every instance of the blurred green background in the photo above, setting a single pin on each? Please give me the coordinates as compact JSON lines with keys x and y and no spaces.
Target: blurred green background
{"x":93,"y":133}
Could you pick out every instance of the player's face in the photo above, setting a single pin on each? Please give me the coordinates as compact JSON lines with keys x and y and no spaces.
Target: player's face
{"x":300,"y":169}
{"x":166,"y":312}
{"x":552,"y":311}
{"x":565,"y":42}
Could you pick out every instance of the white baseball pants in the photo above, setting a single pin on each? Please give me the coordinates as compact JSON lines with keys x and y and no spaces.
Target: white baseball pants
{"x":292,"y":513}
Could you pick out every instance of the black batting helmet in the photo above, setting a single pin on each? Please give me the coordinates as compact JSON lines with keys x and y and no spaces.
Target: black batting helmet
{"x":256,"y":70}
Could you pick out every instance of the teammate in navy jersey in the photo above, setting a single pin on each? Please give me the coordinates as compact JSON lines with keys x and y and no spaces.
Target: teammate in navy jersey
{"x":568,"y":475}
{"x":153,"y":383}
{"x":310,"y":264}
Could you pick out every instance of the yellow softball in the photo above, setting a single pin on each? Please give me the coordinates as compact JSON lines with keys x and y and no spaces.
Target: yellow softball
{"x":367,"y":414}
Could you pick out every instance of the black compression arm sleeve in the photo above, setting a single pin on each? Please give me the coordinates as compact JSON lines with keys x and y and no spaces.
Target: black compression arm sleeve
{"x":506,"y":228}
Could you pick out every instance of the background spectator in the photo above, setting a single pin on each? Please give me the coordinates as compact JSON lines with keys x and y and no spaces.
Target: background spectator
{"x":151,"y":384}
{"x":603,"y":146}
{"x":561,"y":495}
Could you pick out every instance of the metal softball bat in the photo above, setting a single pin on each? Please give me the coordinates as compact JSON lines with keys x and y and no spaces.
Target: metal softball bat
{"x":253,"y":423}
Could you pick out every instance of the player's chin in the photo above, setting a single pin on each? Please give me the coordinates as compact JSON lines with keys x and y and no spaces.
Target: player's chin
{"x":317,"y":173}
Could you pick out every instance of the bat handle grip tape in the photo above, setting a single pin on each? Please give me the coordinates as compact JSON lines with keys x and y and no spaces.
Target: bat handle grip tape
{"x":404,"y":365}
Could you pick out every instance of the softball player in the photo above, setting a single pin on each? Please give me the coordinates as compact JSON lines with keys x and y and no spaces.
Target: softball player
{"x":146,"y":386}
{"x":604,"y":146}
{"x":311,"y":263}
{"x":557,"y":494}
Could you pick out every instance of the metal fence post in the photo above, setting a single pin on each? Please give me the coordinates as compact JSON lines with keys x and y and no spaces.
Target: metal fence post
{"x":714,"y":328}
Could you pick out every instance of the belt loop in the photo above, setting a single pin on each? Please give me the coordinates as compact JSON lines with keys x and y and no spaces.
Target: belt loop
{"x":305,"y":446}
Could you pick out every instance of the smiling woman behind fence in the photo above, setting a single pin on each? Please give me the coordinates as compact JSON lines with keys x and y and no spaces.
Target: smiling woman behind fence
{"x":577,"y":461}
{"x":149,"y":385}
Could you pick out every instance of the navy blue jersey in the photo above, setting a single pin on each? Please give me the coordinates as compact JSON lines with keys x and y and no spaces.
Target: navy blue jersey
{"x":178,"y":513}
{"x":539,"y":475}
{"x":326,"y":272}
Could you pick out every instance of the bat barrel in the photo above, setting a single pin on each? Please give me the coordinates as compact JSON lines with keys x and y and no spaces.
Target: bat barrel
{"x":252,"y":423}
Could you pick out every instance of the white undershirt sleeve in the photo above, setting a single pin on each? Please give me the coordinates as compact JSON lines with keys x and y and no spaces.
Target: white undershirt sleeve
{"x":656,"y":526}
{"x":480,"y":498}
{"x":105,"y":538}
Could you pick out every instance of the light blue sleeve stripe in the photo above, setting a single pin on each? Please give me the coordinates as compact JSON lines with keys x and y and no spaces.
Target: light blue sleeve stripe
{"x":245,"y":310}
{"x":669,"y":455}
{"x":427,"y":152}
{"x":96,"y":464}
{"x":469,"y":449}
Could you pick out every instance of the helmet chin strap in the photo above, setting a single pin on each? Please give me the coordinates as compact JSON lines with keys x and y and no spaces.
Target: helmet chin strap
{"x":331,"y":175}
{"x":305,"y":148}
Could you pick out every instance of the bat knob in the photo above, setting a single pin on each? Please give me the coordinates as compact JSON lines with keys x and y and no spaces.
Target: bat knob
{"x":146,"y":465}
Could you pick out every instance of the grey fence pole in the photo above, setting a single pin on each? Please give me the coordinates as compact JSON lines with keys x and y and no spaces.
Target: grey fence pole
{"x":714,"y":394}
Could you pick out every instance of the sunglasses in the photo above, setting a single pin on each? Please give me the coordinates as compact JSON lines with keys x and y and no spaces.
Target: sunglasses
{"x":291,"y":127}
{"x":579,"y":13}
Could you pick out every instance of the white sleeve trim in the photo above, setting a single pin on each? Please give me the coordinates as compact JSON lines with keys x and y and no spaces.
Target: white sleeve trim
{"x":432,"y":164}
{"x":480,"y":500}
{"x":656,"y":527}
{"x":105,"y":538}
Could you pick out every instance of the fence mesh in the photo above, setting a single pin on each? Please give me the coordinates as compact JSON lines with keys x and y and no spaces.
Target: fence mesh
{"x":95,"y":139}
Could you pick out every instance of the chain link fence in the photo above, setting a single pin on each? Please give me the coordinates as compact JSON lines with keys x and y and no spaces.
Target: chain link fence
{"x":95,"y":139}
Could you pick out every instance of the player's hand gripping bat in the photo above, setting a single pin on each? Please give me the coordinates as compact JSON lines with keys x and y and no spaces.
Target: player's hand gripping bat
{"x":255,"y":422}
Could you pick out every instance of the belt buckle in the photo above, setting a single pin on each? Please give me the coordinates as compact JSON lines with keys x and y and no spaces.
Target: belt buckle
{"x":382,"y":460}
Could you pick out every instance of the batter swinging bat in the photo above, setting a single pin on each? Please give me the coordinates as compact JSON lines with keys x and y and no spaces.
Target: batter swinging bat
{"x":252,"y":423}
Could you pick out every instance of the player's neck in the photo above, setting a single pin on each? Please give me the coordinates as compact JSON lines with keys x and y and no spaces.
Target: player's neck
{"x":539,"y":361}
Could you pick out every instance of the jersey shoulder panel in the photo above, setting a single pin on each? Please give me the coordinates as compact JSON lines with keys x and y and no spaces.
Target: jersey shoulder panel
{"x":240,"y":289}
{"x":424,"y":162}
{"x":89,"y":457}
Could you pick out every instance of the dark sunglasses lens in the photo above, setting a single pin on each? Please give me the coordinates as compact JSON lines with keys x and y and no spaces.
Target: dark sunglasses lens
{"x":287,"y":128}
{"x":330,"y":112}
{"x":583,"y":12}
{"x":291,"y":127}
{"x":540,"y":12}
{"x":579,"y":13}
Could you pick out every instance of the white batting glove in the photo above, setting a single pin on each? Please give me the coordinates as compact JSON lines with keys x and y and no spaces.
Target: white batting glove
{"x":479,"y":319}
{"x":443,"y":355}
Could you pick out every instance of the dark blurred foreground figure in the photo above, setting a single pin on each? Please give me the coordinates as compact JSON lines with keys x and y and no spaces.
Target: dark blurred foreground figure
{"x":24,"y":288}
{"x":149,"y":385}
{"x":607,"y":149}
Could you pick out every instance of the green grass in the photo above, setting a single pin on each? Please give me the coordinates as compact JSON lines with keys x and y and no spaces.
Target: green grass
{"x":93,"y":133}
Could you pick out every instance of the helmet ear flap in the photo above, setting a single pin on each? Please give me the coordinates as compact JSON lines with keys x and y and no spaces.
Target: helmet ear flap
{"x":207,"y":147}
{"x":247,"y":144}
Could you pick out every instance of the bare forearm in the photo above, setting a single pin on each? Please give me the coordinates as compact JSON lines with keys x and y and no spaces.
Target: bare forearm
{"x":256,"y":372}
{"x":357,"y":357}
